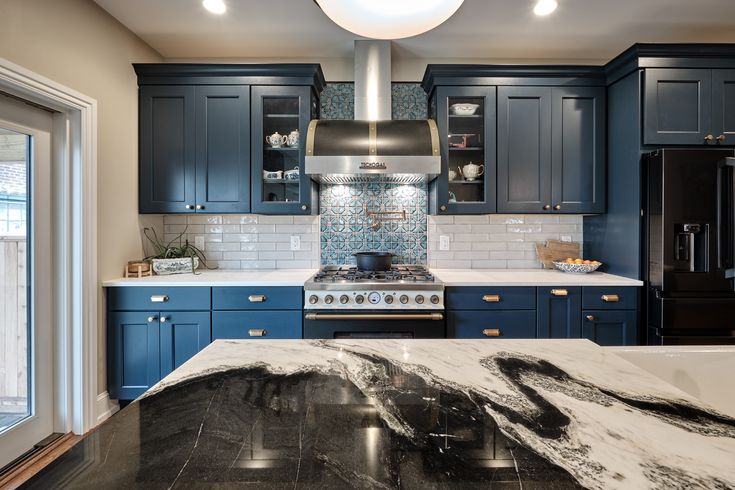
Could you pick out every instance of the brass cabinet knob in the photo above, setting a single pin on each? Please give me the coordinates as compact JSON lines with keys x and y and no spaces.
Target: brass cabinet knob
{"x":151,"y":319}
{"x":491,"y":332}
{"x":557,"y":207}
{"x":199,"y":207}
{"x":709,"y":137}
{"x":189,"y":206}
{"x":610,"y":298}
{"x":559,"y":292}
{"x":491,"y":298}
{"x":590,"y":318}
{"x":256,"y":298}
{"x":257,"y":332}
{"x":721,"y":137}
{"x":547,"y":207}
{"x":442,"y":207}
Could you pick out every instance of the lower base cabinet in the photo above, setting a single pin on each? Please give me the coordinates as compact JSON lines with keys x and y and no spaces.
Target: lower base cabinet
{"x":478,"y":324}
{"x":256,"y":325}
{"x":133,"y":359}
{"x":610,"y":327}
{"x":183,"y":334}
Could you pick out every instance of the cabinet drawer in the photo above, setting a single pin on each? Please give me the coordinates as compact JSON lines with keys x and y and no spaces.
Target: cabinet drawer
{"x":490,"y":298}
{"x":507,"y":324}
{"x":257,"y":298}
{"x":155,"y":298}
{"x":256,"y":325}
{"x":610,"y":298}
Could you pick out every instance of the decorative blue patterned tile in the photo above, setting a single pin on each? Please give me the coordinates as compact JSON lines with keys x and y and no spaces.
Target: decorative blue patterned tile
{"x":408,"y":101}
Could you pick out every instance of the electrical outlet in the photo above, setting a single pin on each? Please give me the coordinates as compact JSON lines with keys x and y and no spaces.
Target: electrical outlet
{"x":566,"y":238}
{"x":295,"y":242}
{"x":199,"y":242}
{"x":443,"y":242}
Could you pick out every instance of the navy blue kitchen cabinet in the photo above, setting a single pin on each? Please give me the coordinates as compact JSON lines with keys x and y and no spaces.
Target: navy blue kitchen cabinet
{"x":479,"y":324}
{"x":167,"y":149}
{"x":610,"y":327}
{"x":182,"y":334}
{"x":257,"y":325}
{"x":723,"y":106}
{"x":196,"y":124}
{"x":279,"y":184}
{"x":133,"y":359}
{"x":466,"y":138}
{"x":222,"y":149}
{"x":558,"y":312}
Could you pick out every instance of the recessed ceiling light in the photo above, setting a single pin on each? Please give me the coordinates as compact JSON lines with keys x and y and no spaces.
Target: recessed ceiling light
{"x":545,"y":7}
{"x":215,"y":6}
{"x":389,"y":19}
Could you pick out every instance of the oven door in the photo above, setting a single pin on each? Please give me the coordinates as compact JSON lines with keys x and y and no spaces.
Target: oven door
{"x":374,"y":324}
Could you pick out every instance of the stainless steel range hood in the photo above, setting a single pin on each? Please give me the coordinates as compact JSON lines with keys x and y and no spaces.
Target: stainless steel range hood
{"x":372,"y":148}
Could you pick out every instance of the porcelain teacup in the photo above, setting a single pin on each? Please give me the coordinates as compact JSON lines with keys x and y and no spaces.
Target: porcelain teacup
{"x":276,"y":140}
{"x":472,"y":171}
{"x":452,"y":175}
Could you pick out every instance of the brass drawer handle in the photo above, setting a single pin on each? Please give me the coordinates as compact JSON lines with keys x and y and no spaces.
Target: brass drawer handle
{"x":491,"y":298}
{"x":491,"y":332}
{"x":560,"y":292}
{"x":159,"y":298}
{"x":590,"y":318}
{"x":257,"y":332}
{"x":610,"y":298}
{"x":256,"y":298}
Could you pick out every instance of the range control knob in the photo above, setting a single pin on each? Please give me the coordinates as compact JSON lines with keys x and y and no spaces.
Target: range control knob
{"x":434,"y":299}
{"x":329,"y":299}
{"x":313,"y":299}
{"x":403,"y":299}
{"x":344,"y":299}
{"x":389,"y":299}
{"x":359,"y":299}
{"x":419,"y":299}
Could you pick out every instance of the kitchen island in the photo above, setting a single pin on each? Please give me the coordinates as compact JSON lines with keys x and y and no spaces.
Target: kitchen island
{"x":405,"y":413}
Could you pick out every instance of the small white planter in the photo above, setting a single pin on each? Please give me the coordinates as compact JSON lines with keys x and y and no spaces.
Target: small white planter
{"x":164,"y":267}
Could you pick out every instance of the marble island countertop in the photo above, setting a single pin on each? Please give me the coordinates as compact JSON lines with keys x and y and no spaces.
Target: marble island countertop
{"x":552,"y":414}
{"x":450,"y":277}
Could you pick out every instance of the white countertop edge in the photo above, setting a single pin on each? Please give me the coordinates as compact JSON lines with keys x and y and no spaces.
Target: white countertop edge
{"x":266,"y":277}
{"x":528,"y":277}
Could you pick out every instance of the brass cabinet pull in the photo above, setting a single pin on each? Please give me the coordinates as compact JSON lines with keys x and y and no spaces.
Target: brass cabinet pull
{"x":491,"y":332}
{"x":560,"y":292}
{"x":721,"y":137}
{"x":491,"y":298}
{"x":610,"y":298}
{"x":256,"y":298}
{"x":591,"y":318}
{"x":159,"y":298}
{"x":257,"y":332}
{"x":709,"y":137}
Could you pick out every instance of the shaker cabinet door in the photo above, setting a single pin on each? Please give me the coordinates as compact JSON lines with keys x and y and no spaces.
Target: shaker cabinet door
{"x":524,"y":149}
{"x":183,"y":334}
{"x":677,"y":106}
{"x":557,"y":312}
{"x":723,"y":106}
{"x":610,"y":327}
{"x":133,"y":360}
{"x":578,"y":149}
{"x":167,"y":145}
{"x":223,"y":149}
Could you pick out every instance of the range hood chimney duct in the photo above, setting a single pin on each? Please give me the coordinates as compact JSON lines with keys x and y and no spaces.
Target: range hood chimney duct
{"x":372,"y":80}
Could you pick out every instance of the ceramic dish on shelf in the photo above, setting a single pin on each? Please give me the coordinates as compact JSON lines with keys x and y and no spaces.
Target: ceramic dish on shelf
{"x":463,"y":109}
{"x":575,"y":268}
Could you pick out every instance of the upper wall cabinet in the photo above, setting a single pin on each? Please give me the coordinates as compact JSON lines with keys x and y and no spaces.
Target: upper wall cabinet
{"x":689,"y":106}
{"x":196,"y":128}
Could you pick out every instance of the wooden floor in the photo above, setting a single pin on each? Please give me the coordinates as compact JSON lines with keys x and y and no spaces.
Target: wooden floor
{"x":24,"y":471}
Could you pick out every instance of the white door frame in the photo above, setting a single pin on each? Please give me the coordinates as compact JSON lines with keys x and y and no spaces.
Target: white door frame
{"x":74,"y":143}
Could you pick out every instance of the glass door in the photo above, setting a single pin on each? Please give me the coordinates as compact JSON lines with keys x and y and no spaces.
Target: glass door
{"x":466,"y":122}
{"x":280,"y":118}
{"x":26,"y":387}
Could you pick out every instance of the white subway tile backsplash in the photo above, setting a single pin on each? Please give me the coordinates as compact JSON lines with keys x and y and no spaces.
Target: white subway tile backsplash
{"x":496,"y":241}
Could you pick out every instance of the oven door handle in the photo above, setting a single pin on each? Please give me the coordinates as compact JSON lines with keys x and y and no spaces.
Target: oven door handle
{"x":375,"y":316}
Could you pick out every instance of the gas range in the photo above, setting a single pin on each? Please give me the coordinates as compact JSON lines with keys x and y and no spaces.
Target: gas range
{"x":403,"y":287}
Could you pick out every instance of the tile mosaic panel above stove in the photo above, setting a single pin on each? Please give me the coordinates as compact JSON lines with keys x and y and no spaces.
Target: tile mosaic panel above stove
{"x":345,"y":229}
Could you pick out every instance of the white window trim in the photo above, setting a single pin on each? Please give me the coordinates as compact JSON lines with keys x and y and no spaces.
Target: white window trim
{"x":75,"y":157}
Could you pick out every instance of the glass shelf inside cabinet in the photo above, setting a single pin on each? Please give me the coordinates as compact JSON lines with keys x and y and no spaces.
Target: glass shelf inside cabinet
{"x":466,"y":156}
{"x":282,"y":149}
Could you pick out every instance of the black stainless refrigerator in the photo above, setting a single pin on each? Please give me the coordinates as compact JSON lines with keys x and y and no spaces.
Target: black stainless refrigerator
{"x":690,"y":252}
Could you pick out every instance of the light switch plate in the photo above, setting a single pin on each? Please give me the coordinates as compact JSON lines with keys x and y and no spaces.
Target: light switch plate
{"x":443,"y":242}
{"x":295,"y":242}
{"x":199,"y":242}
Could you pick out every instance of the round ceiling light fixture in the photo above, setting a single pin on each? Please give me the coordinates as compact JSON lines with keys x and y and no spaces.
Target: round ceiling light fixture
{"x":389,"y":19}
{"x":215,"y":6}
{"x":545,"y":7}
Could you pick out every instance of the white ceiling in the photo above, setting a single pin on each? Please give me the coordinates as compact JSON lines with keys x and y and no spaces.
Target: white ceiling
{"x":584,"y":31}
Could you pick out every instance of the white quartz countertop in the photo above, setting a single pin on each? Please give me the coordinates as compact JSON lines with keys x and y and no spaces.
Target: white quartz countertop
{"x":528,"y":277}
{"x":271,"y":277}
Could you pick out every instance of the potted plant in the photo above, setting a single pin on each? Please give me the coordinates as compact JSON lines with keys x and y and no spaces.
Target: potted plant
{"x":173,"y":257}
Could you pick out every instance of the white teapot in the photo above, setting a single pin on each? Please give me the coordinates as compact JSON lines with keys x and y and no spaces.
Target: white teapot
{"x":276,"y":140}
{"x":472,"y":171}
{"x":292,"y":139}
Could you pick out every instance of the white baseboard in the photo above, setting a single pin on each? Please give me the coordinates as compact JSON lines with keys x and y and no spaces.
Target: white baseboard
{"x":105,"y":407}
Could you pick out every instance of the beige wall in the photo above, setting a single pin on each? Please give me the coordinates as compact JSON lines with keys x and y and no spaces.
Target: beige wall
{"x":77,"y":44}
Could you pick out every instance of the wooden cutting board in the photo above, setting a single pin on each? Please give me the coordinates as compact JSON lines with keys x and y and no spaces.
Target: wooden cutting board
{"x":555,"y":250}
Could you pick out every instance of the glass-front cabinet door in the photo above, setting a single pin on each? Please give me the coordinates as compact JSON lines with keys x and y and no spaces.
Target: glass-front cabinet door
{"x":466,"y":121}
{"x":280,"y":118}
